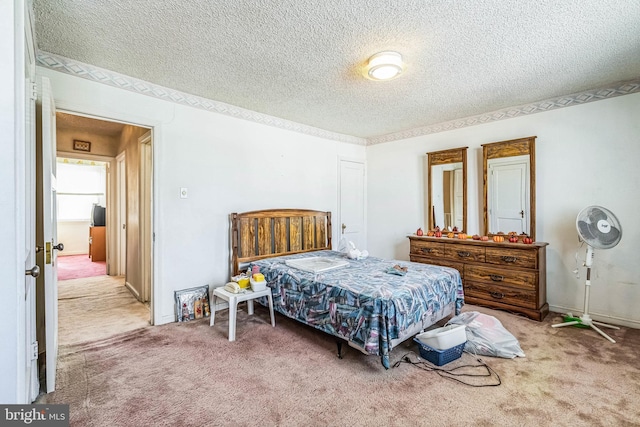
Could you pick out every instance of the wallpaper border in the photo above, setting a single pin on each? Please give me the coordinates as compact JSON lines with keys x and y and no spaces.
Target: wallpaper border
{"x":111,"y":78}
{"x":610,"y":91}
{"x":90,"y":72}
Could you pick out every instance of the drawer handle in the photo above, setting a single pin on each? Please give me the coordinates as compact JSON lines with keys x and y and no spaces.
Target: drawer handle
{"x":426,"y":250}
{"x":496,"y":277}
{"x":509,"y":258}
{"x":497,"y":295}
{"x":464,"y":254}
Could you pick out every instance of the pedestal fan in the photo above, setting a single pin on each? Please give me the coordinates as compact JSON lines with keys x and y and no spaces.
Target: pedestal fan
{"x":599,"y":229}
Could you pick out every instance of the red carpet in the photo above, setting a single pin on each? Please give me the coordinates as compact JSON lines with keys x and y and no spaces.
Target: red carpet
{"x":77,"y":266}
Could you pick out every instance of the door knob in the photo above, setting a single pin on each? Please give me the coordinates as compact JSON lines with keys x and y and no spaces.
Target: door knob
{"x":39,"y":249}
{"x":35,"y":271}
{"x":59,"y":247}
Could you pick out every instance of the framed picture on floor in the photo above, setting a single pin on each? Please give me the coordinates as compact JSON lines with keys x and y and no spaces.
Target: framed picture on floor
{"x":192,"y":303}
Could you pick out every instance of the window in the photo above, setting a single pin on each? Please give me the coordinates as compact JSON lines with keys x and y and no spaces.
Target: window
{"x":80,"y":184}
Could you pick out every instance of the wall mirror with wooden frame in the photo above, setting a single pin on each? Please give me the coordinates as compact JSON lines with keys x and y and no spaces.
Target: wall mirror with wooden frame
{"x":510,"y":186}
{"x":447,"y":189}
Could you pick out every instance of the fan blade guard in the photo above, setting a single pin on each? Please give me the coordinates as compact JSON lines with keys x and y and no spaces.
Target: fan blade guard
{"x":598,"y":227}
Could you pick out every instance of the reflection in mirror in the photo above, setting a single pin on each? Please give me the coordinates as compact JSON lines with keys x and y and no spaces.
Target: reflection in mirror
{"x":447,"y":200}
{"x":508,"y":194}
{"x":447,"y":188}
{"x":509,"y":186}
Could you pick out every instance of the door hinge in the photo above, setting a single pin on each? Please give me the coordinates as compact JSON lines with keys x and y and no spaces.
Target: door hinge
{"x":34,"y":350}
{"x":34,"y":91}
{"x":154,"y":237}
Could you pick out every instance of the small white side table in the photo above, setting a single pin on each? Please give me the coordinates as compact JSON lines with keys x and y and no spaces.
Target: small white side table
{"x":233,"y":300}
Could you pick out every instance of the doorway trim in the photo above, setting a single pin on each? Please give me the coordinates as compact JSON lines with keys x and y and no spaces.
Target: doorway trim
{"x":156,"y":128}
{"x":146,"y":216}
{"x":121,"y":215}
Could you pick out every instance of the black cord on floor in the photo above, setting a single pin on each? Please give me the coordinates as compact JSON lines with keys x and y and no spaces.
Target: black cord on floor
{"x":452,"y":372}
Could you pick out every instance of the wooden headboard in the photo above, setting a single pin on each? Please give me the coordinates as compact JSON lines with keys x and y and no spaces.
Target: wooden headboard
{"x":274,"y":232}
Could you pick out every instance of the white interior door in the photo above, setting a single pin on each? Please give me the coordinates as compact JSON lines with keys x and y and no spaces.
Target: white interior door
{"x":32,"y":381}
{"x":50,"y":230}
{"x":508,"y":203}
{"x":352,"y":202}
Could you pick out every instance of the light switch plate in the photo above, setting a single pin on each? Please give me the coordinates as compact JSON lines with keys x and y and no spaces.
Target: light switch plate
{"x":184,"y":193}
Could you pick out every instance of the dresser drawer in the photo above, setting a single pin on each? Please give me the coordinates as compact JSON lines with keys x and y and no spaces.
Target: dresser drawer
{"x":464,"y":253}
{"x":524,"y":258}
{"x":502,"y":294}
{"x":427,"y":248}
{"x":501,"y":276}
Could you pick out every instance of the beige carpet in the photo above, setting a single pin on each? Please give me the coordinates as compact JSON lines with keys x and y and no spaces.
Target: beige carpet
{"x":189,"y":374}
{"x":94,"y":308}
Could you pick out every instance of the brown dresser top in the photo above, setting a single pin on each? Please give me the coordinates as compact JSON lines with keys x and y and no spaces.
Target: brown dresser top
{"x":505,"y":244}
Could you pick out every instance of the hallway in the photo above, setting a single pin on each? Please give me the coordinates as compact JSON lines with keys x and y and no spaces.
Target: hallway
{"x":95,"y":308}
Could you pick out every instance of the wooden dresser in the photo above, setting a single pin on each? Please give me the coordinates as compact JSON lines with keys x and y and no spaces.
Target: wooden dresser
{"x":97,"y":244}
{"x":506,"y":276}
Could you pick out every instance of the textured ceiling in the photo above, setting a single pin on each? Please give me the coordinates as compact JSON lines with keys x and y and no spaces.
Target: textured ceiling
{"x":80,"y":123}
{"x":301,"y":60}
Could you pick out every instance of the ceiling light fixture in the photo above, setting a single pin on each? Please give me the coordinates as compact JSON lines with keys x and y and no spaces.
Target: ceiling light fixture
{"x":384,"y":66}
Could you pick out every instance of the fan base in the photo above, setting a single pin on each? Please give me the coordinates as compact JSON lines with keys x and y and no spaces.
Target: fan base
{"x":570,"y":318}
{"x":585,"y":321}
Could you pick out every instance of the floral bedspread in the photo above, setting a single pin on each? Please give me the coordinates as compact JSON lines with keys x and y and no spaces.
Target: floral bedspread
{"x":361,"y":302}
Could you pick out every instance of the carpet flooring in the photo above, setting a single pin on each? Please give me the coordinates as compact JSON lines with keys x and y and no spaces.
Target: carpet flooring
{"x":185,"y":374}
{"x":78,"y":266}
{"x":95,"y":308}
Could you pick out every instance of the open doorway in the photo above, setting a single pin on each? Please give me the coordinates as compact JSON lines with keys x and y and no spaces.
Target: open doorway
{"x":82,"y":201}
{"x":99,"y":217}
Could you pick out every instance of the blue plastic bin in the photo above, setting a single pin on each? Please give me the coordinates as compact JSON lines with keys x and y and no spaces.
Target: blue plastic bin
{"x":440,"y":357}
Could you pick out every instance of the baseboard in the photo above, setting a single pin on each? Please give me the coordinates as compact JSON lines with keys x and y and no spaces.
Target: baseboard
{"x":171,"y":318}
{"x":133,"y":291}
{"x":67,"y":253}
{"x":629,"y":323}
{"x":167,"y":318}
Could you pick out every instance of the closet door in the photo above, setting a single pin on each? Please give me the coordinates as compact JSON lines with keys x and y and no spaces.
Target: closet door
{"x":352,"y":200}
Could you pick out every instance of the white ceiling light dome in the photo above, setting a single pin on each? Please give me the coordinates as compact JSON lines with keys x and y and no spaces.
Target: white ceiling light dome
{"x":384,"y":66}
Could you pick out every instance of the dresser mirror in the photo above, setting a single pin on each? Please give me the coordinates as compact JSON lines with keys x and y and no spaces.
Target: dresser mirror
{"x":447,"y":189}
{"x":510,"y":186}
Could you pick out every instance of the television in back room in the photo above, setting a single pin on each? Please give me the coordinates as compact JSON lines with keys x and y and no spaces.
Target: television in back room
{"x":98,"y":214}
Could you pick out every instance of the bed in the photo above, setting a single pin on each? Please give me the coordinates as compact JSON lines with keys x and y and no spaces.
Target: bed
{"x":359,"y":302}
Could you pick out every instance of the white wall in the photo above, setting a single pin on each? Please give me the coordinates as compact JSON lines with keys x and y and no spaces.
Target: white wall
{"x":75,"y":236}
{"x":13,"y":327}
{"x":227,"y":164}
{"x":585,"y":155}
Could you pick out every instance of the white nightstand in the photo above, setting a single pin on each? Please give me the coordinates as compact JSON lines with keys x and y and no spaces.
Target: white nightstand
{"x":233,"y":300}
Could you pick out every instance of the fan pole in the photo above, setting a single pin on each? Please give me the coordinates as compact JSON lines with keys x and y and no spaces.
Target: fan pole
{"x":587,"y":283}
{"x":585,"y":319}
